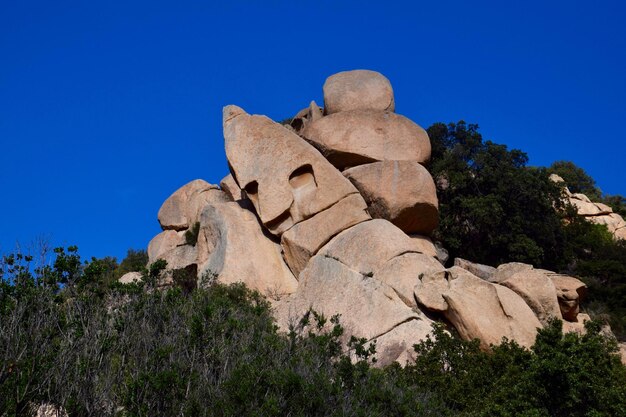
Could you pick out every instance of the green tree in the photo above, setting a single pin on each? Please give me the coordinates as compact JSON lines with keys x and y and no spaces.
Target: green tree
{"x":493,"y":208}
{"x":576,"y":179}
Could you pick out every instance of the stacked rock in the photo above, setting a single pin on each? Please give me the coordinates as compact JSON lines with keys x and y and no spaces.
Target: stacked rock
{"x":598,"y":213}
{"x":379,"y":151}
{"x":334,"y":214}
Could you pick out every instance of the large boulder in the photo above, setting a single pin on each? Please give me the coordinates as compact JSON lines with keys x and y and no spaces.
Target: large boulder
{"x":505,"y":271}
{"x":538,"y":291}
{"x":232,"y":247}
{"x":181,"y":260}
{"x":397,"y":344}
{"x":286,"y":179}
{"x":403,"y":273}
{"x":430,"y":290}
{"x":367,"y":307}
{"x":359,"y":137}
{"x":584,"y":207}
{"x":612,"y":221}
{"x":402,"y":192}
{"x":163,"y":243}
{"x":570,"y":291}
{"x":183,"y":207}
{"x":358,"y":90}
{"x":304,"y":239}
{"x":480,"y":309}
{"x":367,"y":246}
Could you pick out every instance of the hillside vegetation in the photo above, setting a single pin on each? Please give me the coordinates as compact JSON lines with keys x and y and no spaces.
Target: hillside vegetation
{"x":495,"y":209}
{"x":73,"y":337}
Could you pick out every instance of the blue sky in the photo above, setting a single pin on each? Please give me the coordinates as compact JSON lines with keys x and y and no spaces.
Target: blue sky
{"x":106,"y":109}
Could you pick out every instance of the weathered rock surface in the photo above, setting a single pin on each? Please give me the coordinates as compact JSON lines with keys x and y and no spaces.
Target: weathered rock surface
{"x":286,"y":179}
{"x":368,"y":308}
{"x":402,"y":192}
{"x":570,"y":291}
{"x":576,"y":326}
{"x":479,"y":309}
{"x":306,"y":116}
{"x":183,"y":207}
{"x":230,"y":187}
{"x":180,"y":258}
{"x":538,"y":291}
{"x":485,"y":272}
{"x":397,"y":344}
{"x":504,"y":271}
{"x":403,"y":273}
{"x":304,"y":239}
{"x":425,"y":246}
{"x":367,"y":246}
{"x":288,"y":223}
{"x":358,"y":90}
{"x":130,"y":278}
{"x":233,"y":248}
{"x":598,"y":213}
{"x":429,"y":293}
{"x":359,"y":137}
{"x":164,"y":242}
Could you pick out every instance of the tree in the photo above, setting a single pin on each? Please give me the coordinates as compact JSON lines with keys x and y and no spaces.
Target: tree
{"x":493,"y":208}
{"x":576,"y":179}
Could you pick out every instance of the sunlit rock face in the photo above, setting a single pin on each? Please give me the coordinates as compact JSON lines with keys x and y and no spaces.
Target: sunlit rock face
{"x":286,"y":179}
{"x":336,"y":212}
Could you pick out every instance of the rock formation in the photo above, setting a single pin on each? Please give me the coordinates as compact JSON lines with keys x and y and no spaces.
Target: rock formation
{"x":334,"y":213}
{"x":598,"y":213}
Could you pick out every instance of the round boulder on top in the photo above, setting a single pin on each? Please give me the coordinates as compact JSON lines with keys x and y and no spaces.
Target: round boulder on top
{"x":358,"y":90}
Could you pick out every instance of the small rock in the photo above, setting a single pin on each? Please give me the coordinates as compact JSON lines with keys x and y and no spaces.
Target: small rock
{"x":485,"y":272}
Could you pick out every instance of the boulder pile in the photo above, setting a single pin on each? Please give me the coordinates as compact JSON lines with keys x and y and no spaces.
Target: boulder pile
{"x":333,"y":212}
{"x":597,"y":213}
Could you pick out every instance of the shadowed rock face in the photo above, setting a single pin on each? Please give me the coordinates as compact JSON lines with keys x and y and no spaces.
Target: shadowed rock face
{"x":286,"y":179}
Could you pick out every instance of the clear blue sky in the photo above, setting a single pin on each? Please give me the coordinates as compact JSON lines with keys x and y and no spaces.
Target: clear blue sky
{"x":106,"y":109}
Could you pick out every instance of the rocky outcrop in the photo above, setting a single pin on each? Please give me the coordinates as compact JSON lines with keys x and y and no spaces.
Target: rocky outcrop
{"x":597,"y":213}
{"x":182,"y":208}
{"x":286,"y":179}
{"x":233,"y":248}
{"x":538,"y":291}
{"x":570,"y":292}
{"x":368,"y":307}
{"x":333,"y":212}
{"x":479,"y":309}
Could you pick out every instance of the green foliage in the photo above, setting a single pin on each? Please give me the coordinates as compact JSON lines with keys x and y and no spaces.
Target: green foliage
{"x":191,"y":235}
{"x":617,"y":203}
{"x":135,"y":261}
{"x":213,"y":352}
{"x":122,"y":350}
{"x":493,"y":209}
{"x":563,"y":375}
